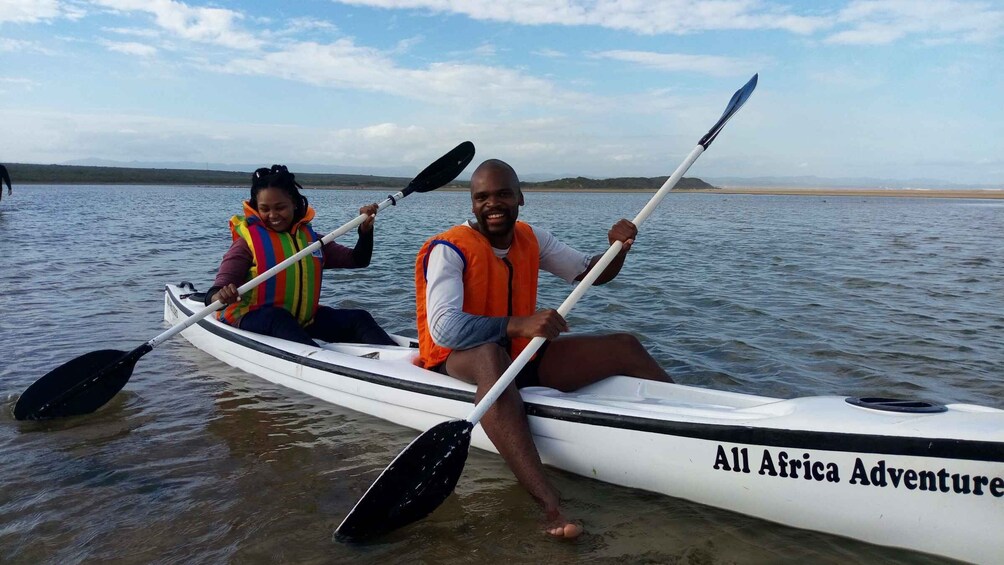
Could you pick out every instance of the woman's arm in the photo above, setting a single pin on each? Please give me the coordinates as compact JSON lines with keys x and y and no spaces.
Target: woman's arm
{"x":340,"y":257}
{"x":233,"y":268}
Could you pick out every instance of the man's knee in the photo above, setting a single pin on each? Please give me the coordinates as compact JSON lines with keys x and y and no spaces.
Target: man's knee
{"x":625,"y":342}
{"x":479,"y":363}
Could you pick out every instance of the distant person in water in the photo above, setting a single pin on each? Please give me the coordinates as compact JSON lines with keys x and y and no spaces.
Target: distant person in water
{"x":275,"y":225}
{"x":4,"y":178}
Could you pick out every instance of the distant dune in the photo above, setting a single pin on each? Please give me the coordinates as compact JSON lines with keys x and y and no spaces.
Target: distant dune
{"x":887,"y":193}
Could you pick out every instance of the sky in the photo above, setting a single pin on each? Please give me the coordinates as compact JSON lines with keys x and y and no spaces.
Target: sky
{"x":886,"y":89}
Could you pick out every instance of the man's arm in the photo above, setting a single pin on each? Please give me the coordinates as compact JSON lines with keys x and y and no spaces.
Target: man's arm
{"x":449,"y":325}
{"x":623,"y":231}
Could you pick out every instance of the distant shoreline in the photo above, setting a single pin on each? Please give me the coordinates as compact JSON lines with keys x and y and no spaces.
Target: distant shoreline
{"x":864,"y":192}
{"x":977,"y":194}
{"x":992,"y":194}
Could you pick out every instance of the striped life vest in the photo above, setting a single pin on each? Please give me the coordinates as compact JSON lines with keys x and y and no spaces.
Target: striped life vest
{"x":492,"y":286}
{"x":297,"y":288}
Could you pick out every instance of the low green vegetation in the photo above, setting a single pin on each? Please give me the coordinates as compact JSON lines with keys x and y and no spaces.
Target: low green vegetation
{"x":75,"y":174}
{"x":22,"y":173}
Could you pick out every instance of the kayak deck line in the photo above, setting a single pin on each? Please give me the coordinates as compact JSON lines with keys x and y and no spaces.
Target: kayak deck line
{"x":936,"y":447}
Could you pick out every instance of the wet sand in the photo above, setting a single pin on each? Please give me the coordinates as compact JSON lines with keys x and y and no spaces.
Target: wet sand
{"x":883,"y":193}
{"x":857,"y":192}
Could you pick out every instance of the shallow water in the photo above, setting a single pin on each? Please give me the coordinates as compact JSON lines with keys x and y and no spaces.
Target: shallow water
{"x":198,"y":462}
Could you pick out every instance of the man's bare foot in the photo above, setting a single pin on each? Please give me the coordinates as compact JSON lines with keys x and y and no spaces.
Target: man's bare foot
{"x":560,"y":527}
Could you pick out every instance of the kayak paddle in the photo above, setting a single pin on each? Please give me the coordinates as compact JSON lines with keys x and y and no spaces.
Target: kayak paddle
{"x":426,"y":472}
{"x":84,"y":384}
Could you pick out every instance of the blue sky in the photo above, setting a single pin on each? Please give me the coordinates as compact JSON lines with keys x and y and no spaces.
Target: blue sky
{"x":890,"y":89}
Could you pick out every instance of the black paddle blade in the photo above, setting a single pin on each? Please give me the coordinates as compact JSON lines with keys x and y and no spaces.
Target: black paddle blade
{"x":738,"y":99}
{"x":413,"y":485}
{"x":79,"y":386}
{"x":443,"y":170}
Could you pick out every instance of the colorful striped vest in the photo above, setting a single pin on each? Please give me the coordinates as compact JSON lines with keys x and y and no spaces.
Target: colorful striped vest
{"x":492,"y":286}
{"x":297,"y":288}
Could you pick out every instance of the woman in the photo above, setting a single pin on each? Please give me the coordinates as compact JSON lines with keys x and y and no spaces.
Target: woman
{"x":276,"y":225}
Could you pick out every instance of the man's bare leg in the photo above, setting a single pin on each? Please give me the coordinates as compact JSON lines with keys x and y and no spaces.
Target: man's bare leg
{"x":573,"y":362}
{"x":506,"y":425}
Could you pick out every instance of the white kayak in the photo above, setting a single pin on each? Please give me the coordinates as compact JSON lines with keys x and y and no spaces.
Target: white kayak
{"x":915,"y":475}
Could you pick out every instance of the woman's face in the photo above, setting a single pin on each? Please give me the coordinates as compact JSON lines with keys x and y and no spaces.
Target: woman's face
{"x":276,"y":209}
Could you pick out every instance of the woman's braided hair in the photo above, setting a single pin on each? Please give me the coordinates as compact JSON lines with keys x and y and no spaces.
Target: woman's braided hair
{"x":278,"y":176}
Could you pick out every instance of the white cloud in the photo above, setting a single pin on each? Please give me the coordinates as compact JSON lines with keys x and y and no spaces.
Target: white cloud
{"x":485,"y":50}
{"x":645,"y":17}
{"x":23,"y":83}
{"x":300,"y":25}
{"x":22,"y":46}
{"x":14,"y":44}
{"x":343,"y":64}
{"x":407,"y":44}
{"x":551,"y":53}
{"x":705,"y":64}
{"x":134,"y":32}
{"x":29,"y":11}
{"x":130,"y":48}
{"x":530,"y":145}
{"x":879,"y":22}
{"x":215,"y":26}
{"x":848,"y":78}
{"x":387,"y":131}
{"x":861,"y":22}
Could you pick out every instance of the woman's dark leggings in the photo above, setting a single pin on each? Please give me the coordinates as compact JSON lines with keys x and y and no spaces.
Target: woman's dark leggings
{"x":331,"y":325}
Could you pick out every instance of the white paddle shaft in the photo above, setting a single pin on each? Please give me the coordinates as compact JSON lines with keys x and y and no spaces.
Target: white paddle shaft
{"x":183,"y":325}
{"x":524,"y":357}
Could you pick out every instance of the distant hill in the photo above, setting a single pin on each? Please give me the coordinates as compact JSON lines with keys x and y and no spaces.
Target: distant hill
{"x":76,"y":174}
{"x":22,"y":173}
{"x":653,"y":183}
{"x":385,"y":171}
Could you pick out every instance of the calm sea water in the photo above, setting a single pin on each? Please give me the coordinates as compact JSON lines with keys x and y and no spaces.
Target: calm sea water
{"x":196,"y":462}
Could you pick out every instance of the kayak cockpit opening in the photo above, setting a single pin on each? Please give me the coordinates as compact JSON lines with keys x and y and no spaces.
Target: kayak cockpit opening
{"x":897,"y":405}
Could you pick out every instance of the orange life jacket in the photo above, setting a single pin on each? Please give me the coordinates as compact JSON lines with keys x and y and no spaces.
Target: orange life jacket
{"x":492,"y":286}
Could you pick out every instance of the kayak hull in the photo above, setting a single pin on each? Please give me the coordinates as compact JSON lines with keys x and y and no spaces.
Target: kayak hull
{"x":926,"y":481}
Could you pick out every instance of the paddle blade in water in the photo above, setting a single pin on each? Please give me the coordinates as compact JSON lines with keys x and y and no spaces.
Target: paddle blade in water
{"x":413,"y":485}
{"x":79,"y":386}
{"x":443,"y":170}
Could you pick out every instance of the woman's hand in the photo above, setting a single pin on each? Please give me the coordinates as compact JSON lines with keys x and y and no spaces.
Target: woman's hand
{"x":227,"y":294}
{"x":371,"y":211}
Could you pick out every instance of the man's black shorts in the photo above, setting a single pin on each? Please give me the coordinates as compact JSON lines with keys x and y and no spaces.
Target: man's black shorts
{"x":528,"y":376}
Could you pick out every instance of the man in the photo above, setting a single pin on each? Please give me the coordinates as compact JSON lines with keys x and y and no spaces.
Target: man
{"x":4,"y":178}
{"x":476,"y":292}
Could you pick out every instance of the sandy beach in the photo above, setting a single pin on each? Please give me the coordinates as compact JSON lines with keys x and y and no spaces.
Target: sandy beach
{"x":864,"y":192}
{"x":993,"y":194}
